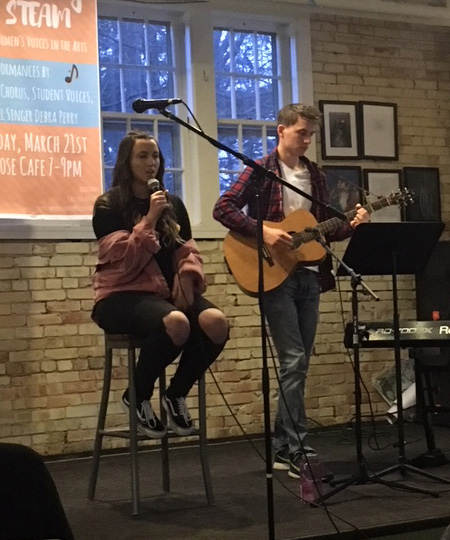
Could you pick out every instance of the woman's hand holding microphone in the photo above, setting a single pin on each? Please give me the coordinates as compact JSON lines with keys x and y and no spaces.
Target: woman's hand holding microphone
{"x":158,"y":202}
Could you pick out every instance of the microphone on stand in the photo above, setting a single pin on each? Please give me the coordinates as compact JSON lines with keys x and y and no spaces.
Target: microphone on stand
{"x":141,"y":105}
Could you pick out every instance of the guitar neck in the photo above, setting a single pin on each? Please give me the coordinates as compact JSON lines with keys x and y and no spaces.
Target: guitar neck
{"x":331,"y":225}
{"x":334,"y":223}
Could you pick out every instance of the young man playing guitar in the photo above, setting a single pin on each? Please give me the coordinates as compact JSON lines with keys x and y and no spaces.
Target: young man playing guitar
{"x":292,"y":309}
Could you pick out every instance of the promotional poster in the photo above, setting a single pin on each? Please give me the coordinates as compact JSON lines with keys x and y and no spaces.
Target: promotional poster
{"x":50,"y":161}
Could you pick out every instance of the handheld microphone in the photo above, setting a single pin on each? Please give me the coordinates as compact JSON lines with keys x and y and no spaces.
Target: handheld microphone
{"x":153,"y":185}
{"x":141,"y":105}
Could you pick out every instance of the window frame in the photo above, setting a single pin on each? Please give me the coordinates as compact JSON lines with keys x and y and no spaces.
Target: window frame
{"x":293,"y":49}
{"x":163,"y":16}
{"x":282,"y":79}
{"x":129,"y":119}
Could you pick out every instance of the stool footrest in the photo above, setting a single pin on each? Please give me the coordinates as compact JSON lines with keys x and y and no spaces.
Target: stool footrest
{"x":121,"y":433}
{"x":172,"y":434}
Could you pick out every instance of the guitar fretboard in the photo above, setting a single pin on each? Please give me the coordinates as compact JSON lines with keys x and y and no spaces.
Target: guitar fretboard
{"x":331,"y":225}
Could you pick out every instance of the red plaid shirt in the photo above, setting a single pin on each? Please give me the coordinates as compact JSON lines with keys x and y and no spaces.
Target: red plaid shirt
{"x":228,"y":209}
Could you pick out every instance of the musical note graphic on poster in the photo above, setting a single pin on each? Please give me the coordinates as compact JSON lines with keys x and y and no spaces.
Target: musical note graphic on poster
{"x":69,"y":78}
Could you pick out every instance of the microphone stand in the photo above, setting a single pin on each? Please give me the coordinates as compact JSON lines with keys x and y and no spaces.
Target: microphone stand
{"x":260,"y":174}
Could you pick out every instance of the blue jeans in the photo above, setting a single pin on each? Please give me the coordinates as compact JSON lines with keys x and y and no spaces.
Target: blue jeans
{"x":292,"y":312}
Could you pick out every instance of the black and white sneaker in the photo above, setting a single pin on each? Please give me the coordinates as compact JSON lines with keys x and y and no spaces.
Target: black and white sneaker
{"x":178,"y":417}
{"x":281,"y":461}
{"x":148,"y":423}
{"x":295,"y":465}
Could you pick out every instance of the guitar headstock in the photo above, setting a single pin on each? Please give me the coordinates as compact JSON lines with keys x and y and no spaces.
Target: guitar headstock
{"x":404,"y":196}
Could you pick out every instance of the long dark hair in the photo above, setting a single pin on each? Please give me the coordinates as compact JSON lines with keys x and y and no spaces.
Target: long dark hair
{"x":121,"y":194}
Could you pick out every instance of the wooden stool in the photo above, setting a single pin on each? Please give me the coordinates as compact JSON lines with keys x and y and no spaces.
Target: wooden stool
{"x":131,"y":343}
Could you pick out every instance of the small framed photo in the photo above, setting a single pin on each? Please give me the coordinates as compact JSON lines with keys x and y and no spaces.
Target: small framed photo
{"x":339,"y":132}
{"x":424,"y":183}
{"x":344,"y":186}
{"x":378,"y":130}
{"x":382,"y":183}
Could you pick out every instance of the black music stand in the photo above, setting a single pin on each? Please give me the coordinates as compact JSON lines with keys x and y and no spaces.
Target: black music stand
{"x":386,"y":249}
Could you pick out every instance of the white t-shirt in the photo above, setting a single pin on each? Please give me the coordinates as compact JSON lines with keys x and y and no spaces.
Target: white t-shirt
{"x":301,"y":179}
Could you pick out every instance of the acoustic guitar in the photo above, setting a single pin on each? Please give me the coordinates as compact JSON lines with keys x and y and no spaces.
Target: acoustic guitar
{"x":241,"y":252}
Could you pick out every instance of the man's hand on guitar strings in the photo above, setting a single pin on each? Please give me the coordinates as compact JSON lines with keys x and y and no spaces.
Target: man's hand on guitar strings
{"x":362,"y":216}
{"x":277,"y":238}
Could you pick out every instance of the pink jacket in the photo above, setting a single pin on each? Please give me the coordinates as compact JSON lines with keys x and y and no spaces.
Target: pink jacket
{"x":126,"y":263}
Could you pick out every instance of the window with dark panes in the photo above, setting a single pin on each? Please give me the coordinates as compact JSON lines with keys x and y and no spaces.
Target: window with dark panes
{"x":136,"y":61}
{"x":247,"y":96}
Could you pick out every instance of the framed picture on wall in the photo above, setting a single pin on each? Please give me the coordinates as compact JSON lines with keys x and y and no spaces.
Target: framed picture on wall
{"x":339,"y":132}
{"x":424,"y":182}
{"x":344,"y":186}
{"x":381,"y":183}
{"x":378,"y":130}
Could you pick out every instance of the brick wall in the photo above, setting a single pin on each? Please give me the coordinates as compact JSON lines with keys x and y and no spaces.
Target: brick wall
{"x":51,"y":351}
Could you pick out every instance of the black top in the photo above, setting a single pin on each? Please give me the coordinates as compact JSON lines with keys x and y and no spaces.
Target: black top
{"x":108,"y":219}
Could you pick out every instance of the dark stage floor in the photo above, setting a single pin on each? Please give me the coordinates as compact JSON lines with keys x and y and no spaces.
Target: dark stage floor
{"x":361,"y":511}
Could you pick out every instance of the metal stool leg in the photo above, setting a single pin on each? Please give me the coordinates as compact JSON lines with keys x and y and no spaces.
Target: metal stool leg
{"x":203,"y":441}
{"x":202,"y":438}
{"x":101,"y":423}
{"x":133,"y":432}
{"x":165,"y":464}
